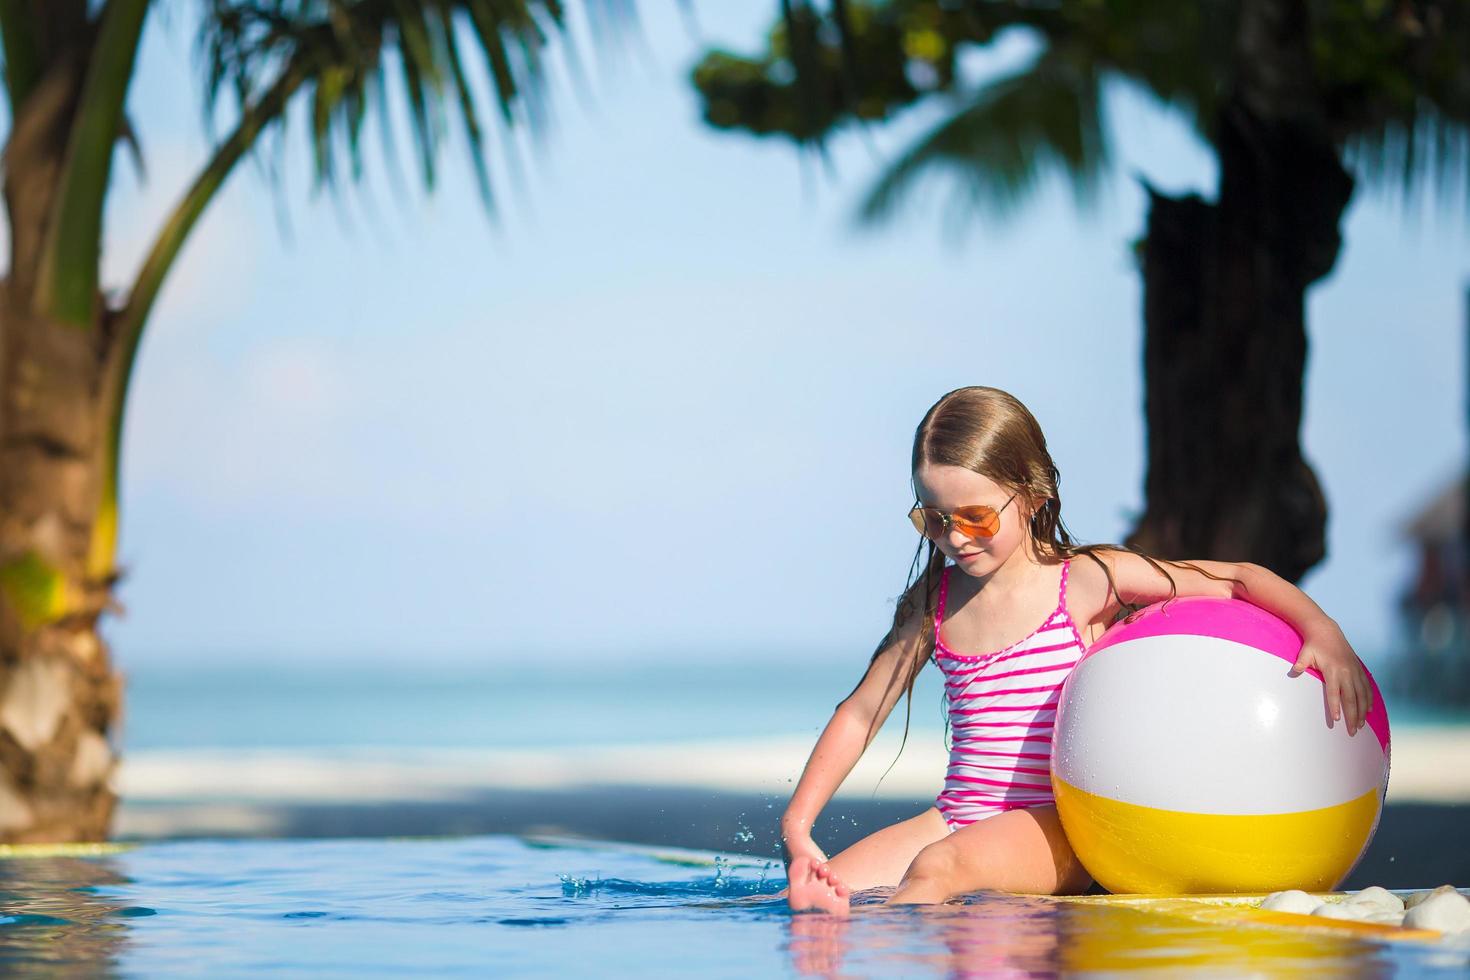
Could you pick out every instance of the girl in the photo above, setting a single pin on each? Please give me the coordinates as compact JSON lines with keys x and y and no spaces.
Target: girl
{"x":999,"y":562}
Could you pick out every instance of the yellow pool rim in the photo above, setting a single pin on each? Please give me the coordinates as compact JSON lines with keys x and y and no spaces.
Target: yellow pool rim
{"x":90,"y":849}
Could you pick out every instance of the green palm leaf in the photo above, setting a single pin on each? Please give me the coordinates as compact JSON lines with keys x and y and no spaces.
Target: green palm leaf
{"x":1397,"y":83}
{"x":340,"y":49}
{"x":1047,"y":117}
{"x":1411,"y":155}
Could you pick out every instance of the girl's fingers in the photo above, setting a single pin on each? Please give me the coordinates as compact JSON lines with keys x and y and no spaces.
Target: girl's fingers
{"x":1349,"y":695}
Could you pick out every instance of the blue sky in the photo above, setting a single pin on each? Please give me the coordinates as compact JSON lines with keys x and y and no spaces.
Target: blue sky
{"x":662,"y":407}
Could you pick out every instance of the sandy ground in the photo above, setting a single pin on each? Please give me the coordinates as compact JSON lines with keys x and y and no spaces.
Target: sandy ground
{"x":1430,"y":765}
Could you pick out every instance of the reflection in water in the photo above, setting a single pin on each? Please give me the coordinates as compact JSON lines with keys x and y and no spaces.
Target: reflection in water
{"x":52,"y":920}
{"x":817,"y":944}
{"x":1000,"y":936}
{"x":1015,"y":936}
{"x":1099,"y":937}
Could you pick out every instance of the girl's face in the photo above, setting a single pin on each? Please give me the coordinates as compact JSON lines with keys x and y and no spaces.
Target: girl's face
{"x":949,"y":488}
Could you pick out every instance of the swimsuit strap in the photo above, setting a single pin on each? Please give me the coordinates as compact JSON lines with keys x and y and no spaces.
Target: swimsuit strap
{"x":943,"y":594}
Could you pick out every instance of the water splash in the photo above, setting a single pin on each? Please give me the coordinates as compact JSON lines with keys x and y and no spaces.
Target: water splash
{"x":725,"y":884}
{"x":722,"y":873}
{"x":574,"y":887}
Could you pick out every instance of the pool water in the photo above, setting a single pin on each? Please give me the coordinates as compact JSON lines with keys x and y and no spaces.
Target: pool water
{"x":504,"y":906}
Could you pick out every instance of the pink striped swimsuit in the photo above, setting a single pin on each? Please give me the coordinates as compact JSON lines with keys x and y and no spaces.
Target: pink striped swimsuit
{"x":1002,"y":708}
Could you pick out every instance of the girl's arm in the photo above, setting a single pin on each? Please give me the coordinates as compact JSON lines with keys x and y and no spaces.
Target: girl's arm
{"x":1345,"y":683}
{"x":843,"y":741}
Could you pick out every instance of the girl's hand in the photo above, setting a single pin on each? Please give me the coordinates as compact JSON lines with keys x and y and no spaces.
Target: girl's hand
{"x":800,"y":845}
{"x":1345,"y":685}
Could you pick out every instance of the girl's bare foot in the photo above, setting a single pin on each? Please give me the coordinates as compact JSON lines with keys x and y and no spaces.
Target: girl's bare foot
{"x":814,"y":886}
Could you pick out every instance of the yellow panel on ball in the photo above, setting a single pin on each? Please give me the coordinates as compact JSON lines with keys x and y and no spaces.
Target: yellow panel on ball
{"x":1141,"y":850}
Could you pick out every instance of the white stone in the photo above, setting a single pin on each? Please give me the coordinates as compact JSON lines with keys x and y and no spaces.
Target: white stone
{"x":1293,"y":900}
{"x":1420,"y":897}
{"x":35,"y":701}
{"x":1379,"y":898}
{"x":1449,"y":912}
{"x":1342,"y":910}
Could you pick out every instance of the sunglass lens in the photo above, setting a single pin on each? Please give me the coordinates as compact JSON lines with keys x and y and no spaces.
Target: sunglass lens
{"x":978,"y":522}
{"x":927,"y":521}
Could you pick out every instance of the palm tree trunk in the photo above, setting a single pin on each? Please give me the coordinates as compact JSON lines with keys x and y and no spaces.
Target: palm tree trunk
{"x":59,"y":694}
{"x":1225,"y":342}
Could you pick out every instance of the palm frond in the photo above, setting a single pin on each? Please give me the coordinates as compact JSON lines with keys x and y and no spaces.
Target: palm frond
{"x":469,"y":114}
{"x":1046,"y":117}
{"x":1414,"y":153}
{"x":350,"y":52}
{"x":1397,"y":88}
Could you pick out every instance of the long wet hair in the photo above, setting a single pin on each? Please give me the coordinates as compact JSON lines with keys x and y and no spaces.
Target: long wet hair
{"x":989,"y":432}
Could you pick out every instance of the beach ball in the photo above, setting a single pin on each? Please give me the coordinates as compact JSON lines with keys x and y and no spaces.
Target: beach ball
{"x":1186,"y":761}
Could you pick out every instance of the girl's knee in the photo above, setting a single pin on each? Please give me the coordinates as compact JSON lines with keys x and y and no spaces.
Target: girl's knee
{"x":939,"y":861}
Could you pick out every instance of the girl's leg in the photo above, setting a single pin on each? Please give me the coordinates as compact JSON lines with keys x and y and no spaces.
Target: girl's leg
{"x":878,"y":859}
{"x":882,"y":857}
{"x":1017,"y":851}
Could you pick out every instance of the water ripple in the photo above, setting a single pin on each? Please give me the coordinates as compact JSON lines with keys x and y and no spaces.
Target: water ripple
{"x":352,"y":908}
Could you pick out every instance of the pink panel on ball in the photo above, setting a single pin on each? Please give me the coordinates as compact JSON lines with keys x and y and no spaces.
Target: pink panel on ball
{"x":1228,"y":619}
{"x":1378,"y":714}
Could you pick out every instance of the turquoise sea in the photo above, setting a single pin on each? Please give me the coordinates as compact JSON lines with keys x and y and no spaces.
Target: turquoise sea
{"x":515,"y":706}
{"x":522,"y":706}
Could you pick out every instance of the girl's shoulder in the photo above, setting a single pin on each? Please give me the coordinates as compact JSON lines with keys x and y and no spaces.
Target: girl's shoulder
{"x":1090,"y":596}
{"x":1106,"y":576}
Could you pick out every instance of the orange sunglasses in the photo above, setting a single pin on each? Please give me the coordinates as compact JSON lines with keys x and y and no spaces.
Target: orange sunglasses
{"x":979,"y":521}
